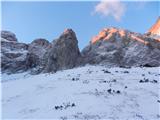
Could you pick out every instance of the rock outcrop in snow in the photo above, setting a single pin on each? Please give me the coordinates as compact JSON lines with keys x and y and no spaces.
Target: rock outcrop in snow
{"x":118,"y":47}
{"x":64,"y":53}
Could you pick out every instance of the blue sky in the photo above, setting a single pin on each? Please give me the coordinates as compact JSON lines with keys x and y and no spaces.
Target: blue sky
{"x":31,"y":20}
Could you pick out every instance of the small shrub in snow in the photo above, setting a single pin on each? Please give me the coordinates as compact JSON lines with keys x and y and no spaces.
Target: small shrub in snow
{"x":73,"y":105}
{"x":58,"y":107}
{"x":147,"y":80}
{"x":114,"y":80}
{"x":154,"y":81}
{"x":75,"y":79}
{"x":106,"y":71}
{"x":125,"y":72}
{"x":109,"y":91}
{"x":104,"y":81}
{"x":118,"y":92}
{"x":85,"y":82}
{"x":143,"y":74}
{"x":64,"y":106}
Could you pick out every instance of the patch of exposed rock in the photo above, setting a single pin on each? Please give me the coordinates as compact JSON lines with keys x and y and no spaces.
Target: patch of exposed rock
{"x":64,"y":52}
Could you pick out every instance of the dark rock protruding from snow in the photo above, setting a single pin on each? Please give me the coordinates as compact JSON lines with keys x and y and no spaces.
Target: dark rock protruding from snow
{"x":64,"y":53}
{"x":8,"y":36}
{"x":36,"y":51}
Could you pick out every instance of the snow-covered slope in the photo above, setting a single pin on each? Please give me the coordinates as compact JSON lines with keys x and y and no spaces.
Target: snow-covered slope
{"x":90,"y":92}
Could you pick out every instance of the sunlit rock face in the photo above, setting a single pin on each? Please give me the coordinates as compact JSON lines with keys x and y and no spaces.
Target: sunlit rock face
{"x":64,"y":52}
{"x":119,"y":47}
{"x":108,"y":34}
{"x":112,"y":34}
{"x":154,"y":31}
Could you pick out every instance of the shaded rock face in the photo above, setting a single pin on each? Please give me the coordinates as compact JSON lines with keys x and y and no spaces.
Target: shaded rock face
{"x":64,"y":53}
{"x":19,"y":57}
{"x":118,"y":47}
{"x":36,"y":51}
{"x":9,"y":36}
{"x":13,"y":56}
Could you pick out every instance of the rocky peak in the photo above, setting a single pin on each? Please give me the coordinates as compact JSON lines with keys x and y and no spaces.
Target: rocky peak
{"x":154,"y":31}
{"x":113,"y":46}
{"x":8,"y":36}
{"x":64,"y":53}
{"x":68,"y":34}
{"x":40,"y":42}
{"x":109,"y":33}
{"x":121,"y":35}
{"x":68,"y":31}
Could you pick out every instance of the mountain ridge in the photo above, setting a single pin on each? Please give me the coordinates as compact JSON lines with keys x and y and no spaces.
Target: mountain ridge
{"x":112,"y":47}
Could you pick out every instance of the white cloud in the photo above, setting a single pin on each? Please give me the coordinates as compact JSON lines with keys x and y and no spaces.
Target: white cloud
{"x":113,"y":8}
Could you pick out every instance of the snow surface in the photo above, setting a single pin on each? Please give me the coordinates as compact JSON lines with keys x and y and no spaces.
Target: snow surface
{"x":83,"y":93}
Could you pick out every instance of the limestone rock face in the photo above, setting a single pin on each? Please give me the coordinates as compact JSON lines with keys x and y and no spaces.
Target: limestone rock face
{"x":36,"y":51}
{"x":39,"y":55}
{"x":111,"y":47}
{"x":118,"y":47}
{"x":19,"y":57}
{"x":9,"y":36}
{"x":64,"y":52}
{"x":13,"y":53}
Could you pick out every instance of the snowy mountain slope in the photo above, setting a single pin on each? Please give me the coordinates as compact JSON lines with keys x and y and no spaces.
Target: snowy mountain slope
{"x":90,"y":92}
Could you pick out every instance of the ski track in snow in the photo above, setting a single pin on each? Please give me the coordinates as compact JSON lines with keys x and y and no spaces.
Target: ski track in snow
{"x":83,"y":93}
